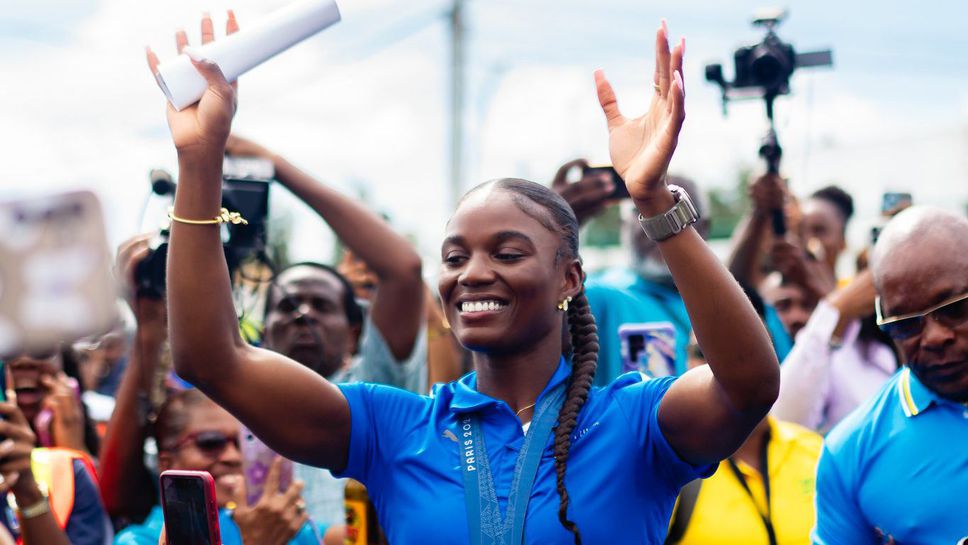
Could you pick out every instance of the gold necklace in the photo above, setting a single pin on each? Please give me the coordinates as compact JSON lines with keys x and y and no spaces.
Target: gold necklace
{"x":524,"y":409}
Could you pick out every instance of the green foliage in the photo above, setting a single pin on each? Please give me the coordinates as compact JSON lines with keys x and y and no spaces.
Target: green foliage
{"x":604,"y":230}
{"x":727,"y":205}
{"x":279,"y":231}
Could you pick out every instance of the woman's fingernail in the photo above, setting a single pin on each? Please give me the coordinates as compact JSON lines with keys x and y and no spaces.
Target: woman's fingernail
{"x":6,"y":446}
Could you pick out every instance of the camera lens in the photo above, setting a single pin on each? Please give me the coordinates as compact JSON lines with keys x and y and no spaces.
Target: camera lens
{"x":770,"y":67}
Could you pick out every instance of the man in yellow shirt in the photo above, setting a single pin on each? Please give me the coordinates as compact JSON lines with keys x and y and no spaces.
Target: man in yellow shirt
{"x":738,"y":505}
{"x":743,"y":505}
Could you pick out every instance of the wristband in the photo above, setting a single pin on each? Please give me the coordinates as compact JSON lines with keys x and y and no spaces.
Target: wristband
{"x":33,"y":511}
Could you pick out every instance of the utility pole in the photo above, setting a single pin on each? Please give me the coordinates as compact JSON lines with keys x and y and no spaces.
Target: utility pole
{"x":456,"y":101}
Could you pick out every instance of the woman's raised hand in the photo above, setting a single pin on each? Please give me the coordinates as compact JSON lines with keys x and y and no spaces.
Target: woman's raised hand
{"x":642,"y":147}
{"x":205,"y":125}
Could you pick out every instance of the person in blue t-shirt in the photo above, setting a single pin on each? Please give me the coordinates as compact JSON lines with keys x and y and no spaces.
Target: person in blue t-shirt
{"x":895,"y":470}
{"x":193,"y":433}
{"x":523,"y":449}
{"x":642,"y":296}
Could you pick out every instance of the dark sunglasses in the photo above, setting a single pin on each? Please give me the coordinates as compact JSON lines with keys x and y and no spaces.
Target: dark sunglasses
{"x":949,"y":313}
{"x":210,"y":442}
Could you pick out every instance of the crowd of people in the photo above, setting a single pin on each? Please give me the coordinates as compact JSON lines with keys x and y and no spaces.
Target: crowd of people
{"x":679,"y":399}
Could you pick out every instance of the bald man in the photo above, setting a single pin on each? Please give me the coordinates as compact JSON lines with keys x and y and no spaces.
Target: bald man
{"x":896,"y":470}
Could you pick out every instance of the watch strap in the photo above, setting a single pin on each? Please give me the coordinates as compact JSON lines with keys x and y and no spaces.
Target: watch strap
{"x":673,"y":221}
{"x":33,"y":511}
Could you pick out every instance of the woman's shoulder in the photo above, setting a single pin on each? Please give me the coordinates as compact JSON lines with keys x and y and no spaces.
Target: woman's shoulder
{"x":636,"y":393}
{"x":635,"y":383}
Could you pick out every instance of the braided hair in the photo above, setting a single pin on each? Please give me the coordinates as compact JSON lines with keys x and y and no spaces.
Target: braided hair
{"x":579,"y":319}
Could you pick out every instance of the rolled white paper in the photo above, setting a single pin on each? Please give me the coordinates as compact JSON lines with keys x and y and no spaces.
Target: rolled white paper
{"x":238,"y":53}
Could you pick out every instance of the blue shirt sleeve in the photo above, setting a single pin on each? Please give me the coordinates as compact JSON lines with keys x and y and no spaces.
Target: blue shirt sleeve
{"x":782,"y":342}
{"x":640,"y":404}
{"x":88,"y":523}
{"x":379,"y":417}
{"x":839,"y":518}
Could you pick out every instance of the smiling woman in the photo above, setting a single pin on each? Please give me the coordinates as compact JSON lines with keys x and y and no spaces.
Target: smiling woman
{"x":522,"y":450}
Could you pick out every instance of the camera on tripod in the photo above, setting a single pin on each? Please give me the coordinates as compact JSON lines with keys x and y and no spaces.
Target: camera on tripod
{"x":245,"y":189}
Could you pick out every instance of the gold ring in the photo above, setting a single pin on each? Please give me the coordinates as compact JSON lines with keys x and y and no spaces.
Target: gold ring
{"x":300,"y":505}
{"x":656,"y":87}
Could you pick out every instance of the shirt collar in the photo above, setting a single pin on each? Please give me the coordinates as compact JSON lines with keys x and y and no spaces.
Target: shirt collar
{"x":467,"y":399}
{"x":914,"y":397}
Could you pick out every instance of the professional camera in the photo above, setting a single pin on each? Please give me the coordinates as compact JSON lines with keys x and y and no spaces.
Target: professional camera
{"x":245,"y":189}
{"x":763,"y":70}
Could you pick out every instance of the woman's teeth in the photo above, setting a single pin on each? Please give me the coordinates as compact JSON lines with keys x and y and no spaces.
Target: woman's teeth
{"x":480,"y":306}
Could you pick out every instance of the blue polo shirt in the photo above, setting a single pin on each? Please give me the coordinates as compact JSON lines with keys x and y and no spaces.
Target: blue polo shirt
{"x":620,"y":296}
{"x":897,"y":467}
{"x":622,"y":478}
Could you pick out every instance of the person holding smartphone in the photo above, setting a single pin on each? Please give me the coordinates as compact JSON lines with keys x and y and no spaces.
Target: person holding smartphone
{"x":195,"y":434}
{"x":54,"y":492}
{"x":599,"y":465}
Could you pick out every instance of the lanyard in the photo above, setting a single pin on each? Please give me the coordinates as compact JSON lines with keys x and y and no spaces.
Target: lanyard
{"x":484,"y":521}
{"x":765,"y":469}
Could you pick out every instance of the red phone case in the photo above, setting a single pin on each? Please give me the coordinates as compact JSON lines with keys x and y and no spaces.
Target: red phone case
{"x":207,"y":486}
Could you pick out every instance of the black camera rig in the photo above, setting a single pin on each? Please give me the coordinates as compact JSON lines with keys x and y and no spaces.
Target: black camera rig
{"x":763,"y":70}
{"x":245,"y":189}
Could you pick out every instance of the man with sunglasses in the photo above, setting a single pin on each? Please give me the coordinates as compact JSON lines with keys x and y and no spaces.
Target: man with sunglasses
{"x":193,"y":433}
{"x":896,"y":469}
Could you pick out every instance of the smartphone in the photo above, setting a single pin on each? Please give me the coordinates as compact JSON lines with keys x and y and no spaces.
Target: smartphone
{"x":55,"y":272}
{"x":620,"y":191}
{"x":45,"y":418}
{"x":893,"y":202}
{"x":648,"y":348}
{"x":257,"y":457}
{"x":190,"y":508}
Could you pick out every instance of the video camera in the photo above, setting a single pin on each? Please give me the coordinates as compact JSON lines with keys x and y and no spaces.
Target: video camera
{"x":763,"y":70}
{"x":245,"y":189}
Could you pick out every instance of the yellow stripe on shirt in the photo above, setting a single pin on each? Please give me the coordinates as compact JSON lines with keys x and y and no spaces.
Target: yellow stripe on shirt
{"x":907,"y":400}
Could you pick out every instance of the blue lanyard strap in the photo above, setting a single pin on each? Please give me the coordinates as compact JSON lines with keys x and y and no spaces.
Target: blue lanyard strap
{"x":485,"y":524}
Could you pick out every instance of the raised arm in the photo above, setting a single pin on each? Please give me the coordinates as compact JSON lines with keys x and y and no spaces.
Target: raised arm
{"x":748,"y":246}
{"x":709,"y":411}
{"x":126,"y":484}
{"x":263,"y":389}
{"x":397,"y":306}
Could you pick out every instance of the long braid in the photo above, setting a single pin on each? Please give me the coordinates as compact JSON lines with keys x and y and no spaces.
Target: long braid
{"x":584,"y":341}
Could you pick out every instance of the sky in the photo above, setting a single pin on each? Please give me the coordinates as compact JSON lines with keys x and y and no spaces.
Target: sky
{"x":364,"y":106}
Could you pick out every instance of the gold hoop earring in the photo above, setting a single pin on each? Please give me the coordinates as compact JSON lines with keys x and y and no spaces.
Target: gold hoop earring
{"x":563,"y":306}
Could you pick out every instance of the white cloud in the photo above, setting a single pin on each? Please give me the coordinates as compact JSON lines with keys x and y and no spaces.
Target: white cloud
{"x":85,"y":112}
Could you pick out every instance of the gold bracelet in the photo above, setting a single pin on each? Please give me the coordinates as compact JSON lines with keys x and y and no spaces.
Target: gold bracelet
{"x":224,"y":216}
